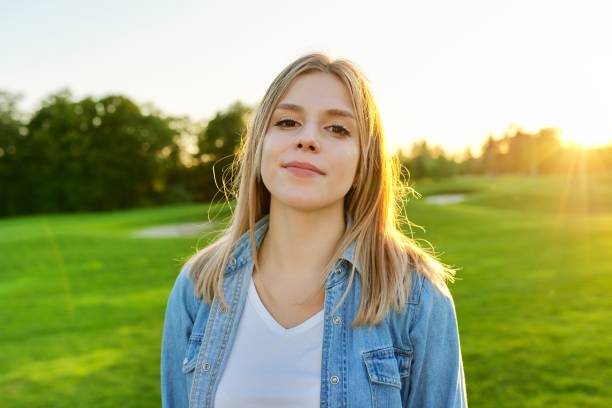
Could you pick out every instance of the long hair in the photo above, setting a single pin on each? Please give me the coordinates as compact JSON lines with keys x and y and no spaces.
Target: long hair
{"x":387,"y":256}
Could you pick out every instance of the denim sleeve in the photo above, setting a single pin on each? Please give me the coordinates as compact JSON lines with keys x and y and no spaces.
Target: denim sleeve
{"x":437,"y":378}
{"x":178,"y":322}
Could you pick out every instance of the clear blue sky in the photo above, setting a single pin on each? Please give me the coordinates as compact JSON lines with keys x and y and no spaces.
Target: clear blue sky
{"x":449,"y":71}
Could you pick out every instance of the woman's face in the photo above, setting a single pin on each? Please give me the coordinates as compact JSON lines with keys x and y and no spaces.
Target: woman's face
{"x":314,"y":123}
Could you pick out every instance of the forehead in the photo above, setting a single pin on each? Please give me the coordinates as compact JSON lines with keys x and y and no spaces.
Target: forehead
{"x":319,"y":91}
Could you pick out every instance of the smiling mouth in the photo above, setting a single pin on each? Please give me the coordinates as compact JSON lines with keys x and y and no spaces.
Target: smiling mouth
{"x":303,"y":166}
{"x":298,"y":171}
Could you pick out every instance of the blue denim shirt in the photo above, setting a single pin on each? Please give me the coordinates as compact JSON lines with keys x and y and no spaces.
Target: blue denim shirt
{"x":411,"y":359}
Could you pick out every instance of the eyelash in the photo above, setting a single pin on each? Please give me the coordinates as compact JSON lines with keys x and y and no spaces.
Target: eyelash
{"x":343,"y":131}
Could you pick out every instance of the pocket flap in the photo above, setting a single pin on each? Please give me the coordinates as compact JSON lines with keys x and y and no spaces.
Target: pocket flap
{"x":191,"y":354}
{"x":388,"y":365}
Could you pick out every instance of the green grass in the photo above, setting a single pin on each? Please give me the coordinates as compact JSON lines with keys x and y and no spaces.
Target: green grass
{"x":83,"y":301}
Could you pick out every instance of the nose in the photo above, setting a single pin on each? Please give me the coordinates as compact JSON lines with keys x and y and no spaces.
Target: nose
{"x":307,"y":139}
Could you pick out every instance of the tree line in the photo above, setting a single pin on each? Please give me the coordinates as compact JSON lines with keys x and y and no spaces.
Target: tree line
{"x":516,"y":151}
{"x":100,"y":154}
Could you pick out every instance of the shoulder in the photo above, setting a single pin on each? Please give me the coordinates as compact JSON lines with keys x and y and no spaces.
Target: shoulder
{"x":431,"y":299}
{"x":183,"y":292}
{"x":184,"y":280}
{"x":427,"y":289}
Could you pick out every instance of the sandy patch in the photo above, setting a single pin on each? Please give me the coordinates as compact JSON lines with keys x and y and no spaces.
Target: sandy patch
{"x":441,"y":199}
{"x":175,"y":230}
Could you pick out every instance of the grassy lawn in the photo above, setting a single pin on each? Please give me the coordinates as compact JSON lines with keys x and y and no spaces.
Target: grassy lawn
{"x":82,"y":300}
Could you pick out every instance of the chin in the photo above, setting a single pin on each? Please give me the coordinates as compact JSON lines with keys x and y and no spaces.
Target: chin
{"x":302,"y":203}
{"x":305,"y":201}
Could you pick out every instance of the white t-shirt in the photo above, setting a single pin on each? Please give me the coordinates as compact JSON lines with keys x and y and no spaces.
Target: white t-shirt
{"x":270,"y":366}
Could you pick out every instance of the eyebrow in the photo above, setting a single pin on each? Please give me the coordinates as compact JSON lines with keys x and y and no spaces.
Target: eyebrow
{"x":333,"y":112}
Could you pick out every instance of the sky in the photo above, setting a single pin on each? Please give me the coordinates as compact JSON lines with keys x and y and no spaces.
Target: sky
{"x":449,"y":72}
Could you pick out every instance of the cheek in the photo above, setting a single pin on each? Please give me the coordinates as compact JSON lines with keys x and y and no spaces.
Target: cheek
{"x":271,"y":145}
{"x":345,"y":167}
{"x":270,"y":152}
{"x":350,"y":161}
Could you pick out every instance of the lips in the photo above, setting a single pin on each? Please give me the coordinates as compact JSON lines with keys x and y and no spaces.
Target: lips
{"x":304,"y":165}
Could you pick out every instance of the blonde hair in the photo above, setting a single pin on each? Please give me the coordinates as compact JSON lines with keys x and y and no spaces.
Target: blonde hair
{"x":385,"y":254}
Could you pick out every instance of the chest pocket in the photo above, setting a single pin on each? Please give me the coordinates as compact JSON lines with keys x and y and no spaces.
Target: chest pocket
{"x":191,"y":354}
{"x":387,"y":368}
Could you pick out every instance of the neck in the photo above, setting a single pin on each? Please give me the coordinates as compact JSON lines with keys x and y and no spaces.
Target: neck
{"x":299,"y":244}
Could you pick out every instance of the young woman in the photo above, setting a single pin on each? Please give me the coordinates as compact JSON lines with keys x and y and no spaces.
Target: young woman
{"x":313,"y":296}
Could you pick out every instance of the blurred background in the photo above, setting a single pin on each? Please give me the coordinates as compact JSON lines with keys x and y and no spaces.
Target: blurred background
{"x":119,"y":120}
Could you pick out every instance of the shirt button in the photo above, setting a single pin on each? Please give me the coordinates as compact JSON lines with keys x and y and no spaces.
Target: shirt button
{"x":232,"y":261}
{"x":334,"y":379}
{"x":337,"y":319}
{"x":185,"y":360}
{"x":206,"y":366}
{"x":338,"y":270}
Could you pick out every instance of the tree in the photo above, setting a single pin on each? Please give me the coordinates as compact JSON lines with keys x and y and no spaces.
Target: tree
{"x":12,"y":131}
{"x":490,"y":155}
{"x":217,"y":144}
{"x":548,"y":147}
{"x":92,"y":155}
{"x":428,"y":161}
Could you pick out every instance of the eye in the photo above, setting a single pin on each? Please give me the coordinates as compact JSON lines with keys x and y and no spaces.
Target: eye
{"x":285,"y":121}
{"x":340,"y":129}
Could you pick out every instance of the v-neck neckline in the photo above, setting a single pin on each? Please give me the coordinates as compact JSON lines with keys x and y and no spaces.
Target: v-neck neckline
{"x":271,"y":321}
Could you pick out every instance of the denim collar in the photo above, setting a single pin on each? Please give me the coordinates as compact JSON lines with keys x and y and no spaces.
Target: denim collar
{"x":242,"y":251}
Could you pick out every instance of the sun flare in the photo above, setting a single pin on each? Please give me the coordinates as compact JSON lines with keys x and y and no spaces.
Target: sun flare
{"x":586,"y":138}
